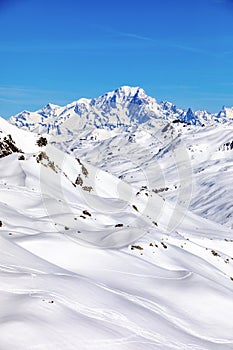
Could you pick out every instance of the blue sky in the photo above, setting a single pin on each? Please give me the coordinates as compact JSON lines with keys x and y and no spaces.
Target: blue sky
{"x":59,"y":51}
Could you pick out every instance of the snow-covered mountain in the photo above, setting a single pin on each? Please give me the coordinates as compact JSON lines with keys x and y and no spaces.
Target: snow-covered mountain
{"x":126,"y":107}
{"x":116,"y":226}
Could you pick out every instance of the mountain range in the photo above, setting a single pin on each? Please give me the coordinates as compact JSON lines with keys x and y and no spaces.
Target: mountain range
{"x":126,"y":107}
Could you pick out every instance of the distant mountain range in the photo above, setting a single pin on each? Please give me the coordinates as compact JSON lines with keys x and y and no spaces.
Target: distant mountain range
{"x":126,"y":107}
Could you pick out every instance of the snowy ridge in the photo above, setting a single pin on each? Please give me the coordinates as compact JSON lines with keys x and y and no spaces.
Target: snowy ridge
{"x":125,"y":107}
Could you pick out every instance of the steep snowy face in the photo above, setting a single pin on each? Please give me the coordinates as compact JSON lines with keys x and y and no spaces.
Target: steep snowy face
{"x":225,"y":115}
{"x":170,"y":111}
{"x":12,"y":139}
{"x":190,"y":117}
{"x":128,"y":105}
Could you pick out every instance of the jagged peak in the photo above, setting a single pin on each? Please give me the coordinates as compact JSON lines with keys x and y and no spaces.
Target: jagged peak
{"x":168,"y":105}
{"x":125,"y":91}
{"x":50,"y":107}
{"x":25,"y":111}
{"x":131,"y":90}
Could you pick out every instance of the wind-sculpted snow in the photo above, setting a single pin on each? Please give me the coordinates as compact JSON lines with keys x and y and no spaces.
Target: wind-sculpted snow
{"x":117,"y":239}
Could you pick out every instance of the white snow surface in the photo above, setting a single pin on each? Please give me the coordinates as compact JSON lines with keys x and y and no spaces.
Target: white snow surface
{"x":116,"y":238}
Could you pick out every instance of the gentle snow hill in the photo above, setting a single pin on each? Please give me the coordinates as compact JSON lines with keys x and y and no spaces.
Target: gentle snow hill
{"x":126,"y":107}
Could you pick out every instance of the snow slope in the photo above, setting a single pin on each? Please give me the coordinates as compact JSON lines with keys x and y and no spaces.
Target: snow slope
{"x":117,"y":239}
{"x":187,"y":164}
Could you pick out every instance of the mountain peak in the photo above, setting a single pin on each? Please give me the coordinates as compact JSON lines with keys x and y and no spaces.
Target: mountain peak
{"x":124,"y":93}
{"x":49,"y":107}
{"x":131,"y":91}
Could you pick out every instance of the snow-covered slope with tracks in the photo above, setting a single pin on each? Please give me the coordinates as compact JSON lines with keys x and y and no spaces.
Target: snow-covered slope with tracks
{"x":116,"y":238}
